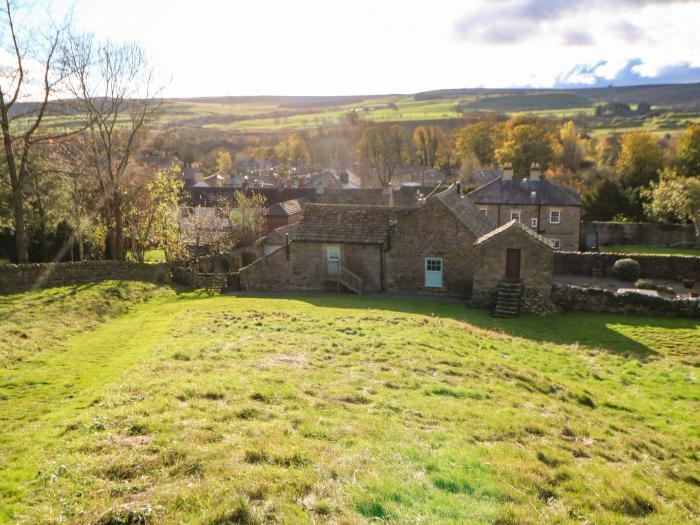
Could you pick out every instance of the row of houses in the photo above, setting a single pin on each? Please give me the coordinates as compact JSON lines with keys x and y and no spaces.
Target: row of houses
{"x":546,"y":208}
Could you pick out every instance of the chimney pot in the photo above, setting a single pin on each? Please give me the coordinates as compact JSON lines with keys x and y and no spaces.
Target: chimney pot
{"x":535,"y":172}
{"x":508,"y":171}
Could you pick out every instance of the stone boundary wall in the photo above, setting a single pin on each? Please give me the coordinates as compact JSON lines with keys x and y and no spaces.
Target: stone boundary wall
{"x":569,"y":297}
{"x":22,"y":277}
{"x":653,"y":266}
{"x":640,"y":233}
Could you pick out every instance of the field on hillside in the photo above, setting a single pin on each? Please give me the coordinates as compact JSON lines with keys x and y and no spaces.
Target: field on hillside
{"x":191,"y":408}
{"x":258,"y":116}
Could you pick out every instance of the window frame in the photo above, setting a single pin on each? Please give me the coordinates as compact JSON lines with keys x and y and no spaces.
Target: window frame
{"x":518,"y":213}
{"x":485,"y":211}
{"x":551,"y":213}
{"x":534,"y":222}
{"x":557,"y":244}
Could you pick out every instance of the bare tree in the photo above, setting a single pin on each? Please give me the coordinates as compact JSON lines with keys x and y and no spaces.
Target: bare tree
{"x":117,"y":97}
{"x":27,"y":85}
{"x":384,"y":148}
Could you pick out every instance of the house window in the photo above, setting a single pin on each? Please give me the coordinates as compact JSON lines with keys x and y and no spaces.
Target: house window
{"x":557,"y":244}
{"x":515,"y":215}
{"x":533,"y":222}
{"x":554,"y":217}
{"x":484,"y":211}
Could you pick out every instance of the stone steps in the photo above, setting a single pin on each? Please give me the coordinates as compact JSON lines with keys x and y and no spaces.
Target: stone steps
{"x":509,"y":295}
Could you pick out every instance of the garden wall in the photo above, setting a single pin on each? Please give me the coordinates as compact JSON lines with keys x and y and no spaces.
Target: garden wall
{"x":570,"y":297}
{"x":671,"y":267}
{"x":18,"y":278}
{"x":640,"y":233}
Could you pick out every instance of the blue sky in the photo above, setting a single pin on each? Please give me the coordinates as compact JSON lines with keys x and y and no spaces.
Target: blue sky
{"x":253,"y":47}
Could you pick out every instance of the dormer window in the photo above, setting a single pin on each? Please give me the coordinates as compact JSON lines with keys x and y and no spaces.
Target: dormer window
{"x":533,"y":195}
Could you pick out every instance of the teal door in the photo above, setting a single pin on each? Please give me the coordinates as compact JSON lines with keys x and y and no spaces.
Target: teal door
{"x":433,"y":272}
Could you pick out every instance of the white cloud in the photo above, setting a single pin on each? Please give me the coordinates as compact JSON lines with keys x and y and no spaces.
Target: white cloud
{"x":320,"y":47}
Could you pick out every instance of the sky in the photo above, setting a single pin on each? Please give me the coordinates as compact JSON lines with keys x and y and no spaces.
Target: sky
{"x":342,"y":47}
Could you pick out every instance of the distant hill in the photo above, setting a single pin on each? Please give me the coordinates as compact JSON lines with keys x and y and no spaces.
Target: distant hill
{"x":529,"y":102}
{"x":673,"y":95}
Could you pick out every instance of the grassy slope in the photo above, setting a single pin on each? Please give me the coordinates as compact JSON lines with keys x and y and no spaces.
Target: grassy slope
{"x":651,"y":250}
{"x":196,"y":409}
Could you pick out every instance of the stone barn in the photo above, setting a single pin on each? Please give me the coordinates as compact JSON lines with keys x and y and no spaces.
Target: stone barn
{"x":514,"y":271}
{"x":442,"y":244}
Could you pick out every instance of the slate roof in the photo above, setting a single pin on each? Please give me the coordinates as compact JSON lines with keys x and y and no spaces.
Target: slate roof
{"x":510,"y":225}
{"x":515,"y":191}
{"x":465,"y":211}
{"x":344,"y":223}
{"x":484,"y":175}
{"x":286,"y":208}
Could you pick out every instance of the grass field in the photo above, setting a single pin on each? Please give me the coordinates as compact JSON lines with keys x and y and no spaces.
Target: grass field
{"x":649,"y":250}
{"x":262,"y":117}
{"x":203,"y":409}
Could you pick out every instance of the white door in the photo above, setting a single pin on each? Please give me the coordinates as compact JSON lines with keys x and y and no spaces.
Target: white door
{"x":433,"y":272}
{"x":333,"y":258}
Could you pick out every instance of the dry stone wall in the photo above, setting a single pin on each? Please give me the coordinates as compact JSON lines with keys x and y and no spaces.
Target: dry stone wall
{"x":22,"y":277}
{"x":672,"y":267}
{"x":569,"y":297}
{"x":641,"y":233}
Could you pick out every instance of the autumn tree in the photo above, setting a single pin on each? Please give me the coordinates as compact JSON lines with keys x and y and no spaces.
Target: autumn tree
{"x":477,"y":140}
{"x":224,"y":163}
{"x":428,"y":141}
{"x":384,"y":148}
{"x":247,"y":218}
{"x":116,"y":98}
{"x":570,"y":151}
{"x":688,"y":153}
{"x":524,"y":144}
{"x":637,"y":166}
{"x":293,"y":149}
{"x":32,"y":70}
{"x":676,"y":198}
{"x":640,"y":159}
{"x":151,"y":214}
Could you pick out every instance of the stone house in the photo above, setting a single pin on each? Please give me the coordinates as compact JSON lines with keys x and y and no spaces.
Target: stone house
{"x":547,"y":208}
{"x":433,"y":246}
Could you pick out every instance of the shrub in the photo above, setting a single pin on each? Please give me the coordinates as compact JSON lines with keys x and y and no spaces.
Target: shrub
{"x":626,"y":269}
{"x":645,"y":284}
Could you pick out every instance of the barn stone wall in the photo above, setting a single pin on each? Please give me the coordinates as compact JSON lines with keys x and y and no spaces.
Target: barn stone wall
{"x":536,"y":262}
{"x":430,"y":231}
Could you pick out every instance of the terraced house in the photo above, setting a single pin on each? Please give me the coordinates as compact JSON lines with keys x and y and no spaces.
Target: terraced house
{"x":441,"y":244}
{"x":550,"y":210}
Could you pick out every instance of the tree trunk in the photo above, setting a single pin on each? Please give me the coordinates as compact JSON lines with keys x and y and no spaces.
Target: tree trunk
{"x":20,"y":228}
{"x":118,"y":230}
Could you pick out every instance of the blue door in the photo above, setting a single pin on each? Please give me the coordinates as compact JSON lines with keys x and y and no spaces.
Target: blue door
{"x":433,"y":272}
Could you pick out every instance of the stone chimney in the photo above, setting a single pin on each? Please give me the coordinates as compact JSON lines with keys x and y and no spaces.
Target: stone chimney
{"x":344,"y":177}
{"x":198,"y":175}
{"x":508,"y":171}
{"x":535,"y":172}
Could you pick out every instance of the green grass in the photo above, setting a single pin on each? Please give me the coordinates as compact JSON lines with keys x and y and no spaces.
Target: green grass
{"x":650,"y":250}
{"x":4,"y":261}
{"x":150,"y":257}
{"x":192,"y":408}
